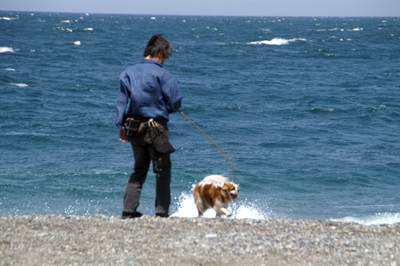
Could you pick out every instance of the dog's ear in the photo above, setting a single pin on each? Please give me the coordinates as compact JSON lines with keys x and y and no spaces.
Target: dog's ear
{"x":227,"y":187}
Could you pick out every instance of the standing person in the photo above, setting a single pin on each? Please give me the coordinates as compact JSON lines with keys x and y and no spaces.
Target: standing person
{"x":148,"y":93}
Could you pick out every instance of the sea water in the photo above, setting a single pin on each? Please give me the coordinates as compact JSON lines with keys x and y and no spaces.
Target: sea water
{"x":306,"y":108}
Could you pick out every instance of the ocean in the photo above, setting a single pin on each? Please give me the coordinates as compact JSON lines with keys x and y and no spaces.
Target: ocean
{"x":306,"y":108}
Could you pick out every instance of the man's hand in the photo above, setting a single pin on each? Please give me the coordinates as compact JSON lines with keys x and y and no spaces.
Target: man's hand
{"x":122,"y":136}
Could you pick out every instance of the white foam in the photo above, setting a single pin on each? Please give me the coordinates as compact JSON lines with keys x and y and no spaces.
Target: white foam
{"x":9,"y":69}
{"x":277,"y":41}
{"x":77,"y":43}
{"x":245,"y":211}
{"x":65,"y":29}
{"x":377,"y":219}
{"x":6,"y":18}
{"x":6,"y":50}
{"x":88,"y":29}
{"x":65,"y":21}
{"x":20,"y":84}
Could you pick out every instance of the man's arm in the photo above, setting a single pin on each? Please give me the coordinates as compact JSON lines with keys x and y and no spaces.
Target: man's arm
{"x":122,"y":100}
{"x":172,"y":95}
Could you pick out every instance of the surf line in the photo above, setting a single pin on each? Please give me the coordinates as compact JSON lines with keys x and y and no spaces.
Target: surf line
{"x":226,"y":156}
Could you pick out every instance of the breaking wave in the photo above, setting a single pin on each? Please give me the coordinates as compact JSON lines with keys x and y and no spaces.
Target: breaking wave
{"x":6,"y":50}
{"x":277,"y":41}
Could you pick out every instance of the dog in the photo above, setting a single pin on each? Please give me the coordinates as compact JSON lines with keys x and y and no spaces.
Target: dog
{"x":215,"y":191}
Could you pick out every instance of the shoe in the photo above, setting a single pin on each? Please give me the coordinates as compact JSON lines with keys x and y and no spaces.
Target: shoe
{"x":162,"y":215}
{"x":130,"y":215}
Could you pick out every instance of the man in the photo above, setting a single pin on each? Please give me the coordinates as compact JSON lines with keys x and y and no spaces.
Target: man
{"x":148,"y":91}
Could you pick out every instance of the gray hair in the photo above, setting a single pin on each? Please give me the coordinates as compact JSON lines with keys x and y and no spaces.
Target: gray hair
{"x":156,"y":44}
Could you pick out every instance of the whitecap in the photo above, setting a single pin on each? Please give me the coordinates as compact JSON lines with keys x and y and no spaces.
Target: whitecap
{"x":6,"y":50}
{"x":88,"y":29}
{"x":277,"y":41}
{"x":65,"y":21}
{"x":6,"y":18}
{"x":153,"y":18}
{"x":377,"y":219}
{"x":20,"y":84}
{"x":9,"y":69}
{"x":357,"y":29}
{"x":244,"y":211}
{"x":77,"y":43}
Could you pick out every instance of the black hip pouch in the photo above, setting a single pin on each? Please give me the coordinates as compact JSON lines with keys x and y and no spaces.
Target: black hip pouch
{"x":160,"y":140}
{"x":132,"y":125}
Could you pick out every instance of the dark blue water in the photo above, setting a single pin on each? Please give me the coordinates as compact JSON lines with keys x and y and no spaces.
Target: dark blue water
{"x":307,"y":109}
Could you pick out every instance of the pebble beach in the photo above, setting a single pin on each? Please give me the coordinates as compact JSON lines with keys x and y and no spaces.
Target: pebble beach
{"x":109,"y":240}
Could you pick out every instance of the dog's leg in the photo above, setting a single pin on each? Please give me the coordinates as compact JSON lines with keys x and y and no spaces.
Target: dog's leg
{"x":226,"y":212}
{"x":200,"y":212}
{"x":221,"y":210}
{"x":200,"y":207}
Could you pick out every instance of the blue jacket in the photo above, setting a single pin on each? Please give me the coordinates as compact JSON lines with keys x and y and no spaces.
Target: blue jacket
{"x":147,"y":90}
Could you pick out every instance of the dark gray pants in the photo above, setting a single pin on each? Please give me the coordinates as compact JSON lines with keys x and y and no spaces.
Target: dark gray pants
{"x":144,"y":153}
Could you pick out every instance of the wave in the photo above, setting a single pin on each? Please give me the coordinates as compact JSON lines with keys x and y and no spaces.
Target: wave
{"x":7,"y":18}
{"x":20,"y":84}
{"x":6,"y":50}
{"x":277,"y":41}
{"x":377,"y":219}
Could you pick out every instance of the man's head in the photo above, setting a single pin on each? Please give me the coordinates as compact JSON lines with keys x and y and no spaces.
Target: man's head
{"x":158,"y":44}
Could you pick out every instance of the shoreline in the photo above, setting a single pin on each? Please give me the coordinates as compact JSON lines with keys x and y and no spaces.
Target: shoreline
{"x":109,"y":240}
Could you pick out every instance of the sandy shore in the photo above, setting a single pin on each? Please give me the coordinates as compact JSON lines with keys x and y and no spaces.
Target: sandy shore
{"x":104,"y":240}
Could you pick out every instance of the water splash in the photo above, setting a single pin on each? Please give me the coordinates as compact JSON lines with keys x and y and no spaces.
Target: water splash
{"x":240,"y":210}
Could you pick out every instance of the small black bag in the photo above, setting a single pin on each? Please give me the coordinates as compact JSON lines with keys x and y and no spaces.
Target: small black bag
{"x":132,"y":125}
{"x":160,"y":140}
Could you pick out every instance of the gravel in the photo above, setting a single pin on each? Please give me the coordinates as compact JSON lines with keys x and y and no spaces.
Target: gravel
{"x":108,"y":240}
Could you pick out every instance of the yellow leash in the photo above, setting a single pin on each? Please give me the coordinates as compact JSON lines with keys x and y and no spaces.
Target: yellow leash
{"x":233,"y":168}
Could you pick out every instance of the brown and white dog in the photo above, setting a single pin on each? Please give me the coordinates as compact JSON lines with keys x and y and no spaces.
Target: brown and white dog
{"x":215,"y":191}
